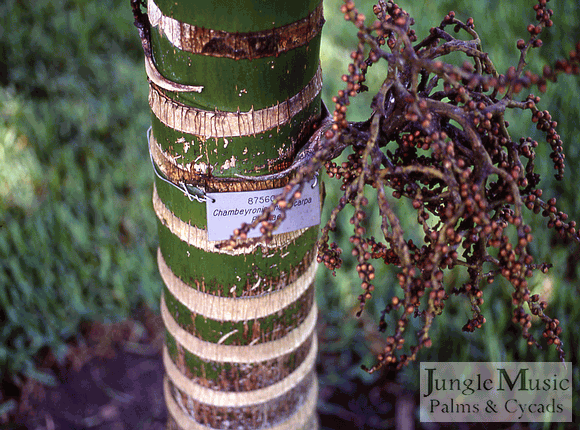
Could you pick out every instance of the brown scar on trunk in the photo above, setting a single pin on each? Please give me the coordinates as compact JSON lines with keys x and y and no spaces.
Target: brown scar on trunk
{"x":238,"y":46}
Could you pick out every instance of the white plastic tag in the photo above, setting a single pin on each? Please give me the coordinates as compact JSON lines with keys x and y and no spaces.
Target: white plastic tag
{"x":227,"y":211}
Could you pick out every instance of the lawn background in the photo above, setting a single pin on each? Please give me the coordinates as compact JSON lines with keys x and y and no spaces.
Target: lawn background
{"x":77,"y":230}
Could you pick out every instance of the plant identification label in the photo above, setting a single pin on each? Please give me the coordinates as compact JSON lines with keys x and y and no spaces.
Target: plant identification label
{"x":227,"y":211}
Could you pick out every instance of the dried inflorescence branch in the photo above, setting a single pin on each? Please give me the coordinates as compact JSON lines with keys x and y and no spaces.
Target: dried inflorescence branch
{"x":438,"y":137}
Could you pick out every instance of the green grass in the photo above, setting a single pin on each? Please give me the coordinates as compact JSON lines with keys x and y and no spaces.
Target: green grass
{"x":77,"y":230}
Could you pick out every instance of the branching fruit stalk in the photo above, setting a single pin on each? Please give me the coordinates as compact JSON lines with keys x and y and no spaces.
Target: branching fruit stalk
{"x":438,"y":137}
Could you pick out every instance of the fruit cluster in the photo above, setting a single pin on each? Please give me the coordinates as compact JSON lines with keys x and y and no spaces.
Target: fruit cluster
{"x":438,"y":137}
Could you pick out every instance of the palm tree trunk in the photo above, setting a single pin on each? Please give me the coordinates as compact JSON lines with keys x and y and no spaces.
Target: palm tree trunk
{"x":234,"y":90}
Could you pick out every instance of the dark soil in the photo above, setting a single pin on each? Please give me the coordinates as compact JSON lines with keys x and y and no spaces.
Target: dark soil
{"x":113,"y":380}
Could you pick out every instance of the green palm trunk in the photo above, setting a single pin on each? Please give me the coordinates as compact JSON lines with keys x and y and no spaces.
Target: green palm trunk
{"x":241,"y":343}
